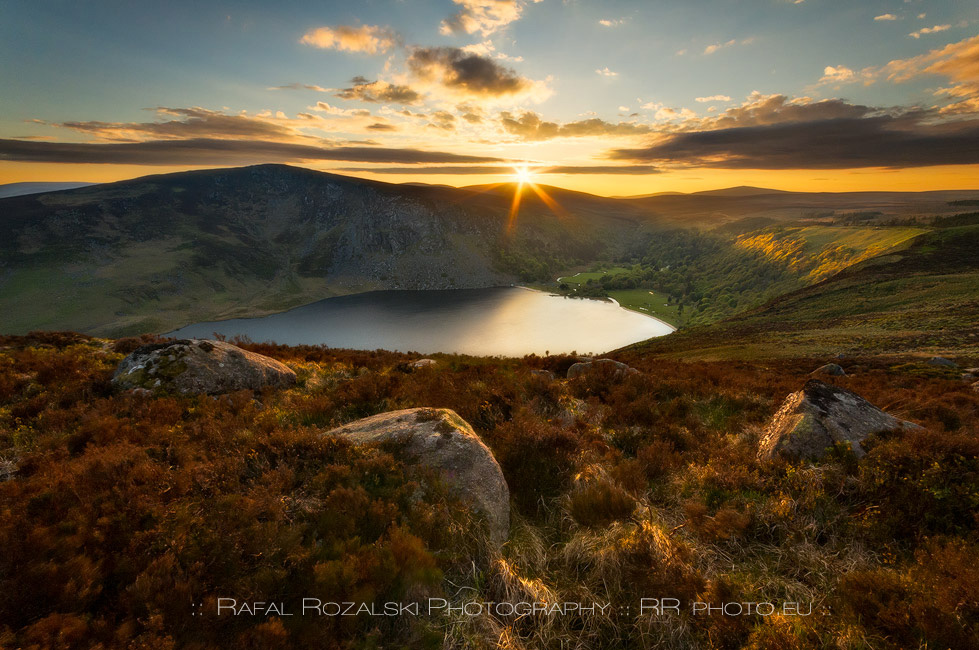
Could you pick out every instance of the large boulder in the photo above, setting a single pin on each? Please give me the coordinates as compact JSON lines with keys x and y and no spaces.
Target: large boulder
{"x":423,"y":363}
{"x":829,"y":370}
{"x":193,"y":366}
{"x":819,"y":416}
{"x":440,"y":439}
{"x":942,"y":362}
{"x":616,"y":370}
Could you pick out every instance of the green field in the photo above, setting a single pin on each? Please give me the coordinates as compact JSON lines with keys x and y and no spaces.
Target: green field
{"x":644,"y":301}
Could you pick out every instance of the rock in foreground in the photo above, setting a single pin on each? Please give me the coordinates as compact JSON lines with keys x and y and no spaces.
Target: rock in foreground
{"x":615,"y":369}
{"x":440,"y":439}
{"x":829,"y":370}
{"x":193,"y":366}
{"x":819,"y":416}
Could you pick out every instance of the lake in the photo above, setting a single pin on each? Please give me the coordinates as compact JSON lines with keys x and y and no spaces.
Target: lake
{"x":506,"y":321}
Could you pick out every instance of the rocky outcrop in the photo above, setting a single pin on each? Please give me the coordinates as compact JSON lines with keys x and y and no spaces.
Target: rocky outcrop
{"x":942,"y":362}
{"x":615,"y":370}
{"x":829,"y":370}
{"x":194,"y":366}
{"x":819,"y":416}
{"x":440,"y":439}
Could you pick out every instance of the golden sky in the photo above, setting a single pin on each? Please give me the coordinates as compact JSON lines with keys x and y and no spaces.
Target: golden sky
{"x":618,"y":98}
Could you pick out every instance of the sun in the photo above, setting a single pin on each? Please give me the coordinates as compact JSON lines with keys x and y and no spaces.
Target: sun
{"x":523,"y":174}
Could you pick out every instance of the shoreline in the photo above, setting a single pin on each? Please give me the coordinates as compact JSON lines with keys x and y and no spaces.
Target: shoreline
{"x":615,"y":302}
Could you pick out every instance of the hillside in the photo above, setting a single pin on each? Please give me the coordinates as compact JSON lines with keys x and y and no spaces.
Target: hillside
{"x":23,"y":189}
{"x":922,"y":297}
{"x":158,"y":252}
{"x":124,"y":509}
{"x":718,"y":207}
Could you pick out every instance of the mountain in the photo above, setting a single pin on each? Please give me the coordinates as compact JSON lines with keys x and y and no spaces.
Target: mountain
{"x":22,"y":189}
{"x":740,"y":190}
{"x":158,"y":252}
{"x":921,"y":297}
{"x":716,"y":208}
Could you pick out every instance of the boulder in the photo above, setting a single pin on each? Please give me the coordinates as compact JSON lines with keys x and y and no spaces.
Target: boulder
{"x":440,"y":439}
{"x":423,"y":363}
{"x":829,"y":370}
{"x":616,"y":369}
{"x":942,"y":362}
{"x":544,"y":374}
{"x":192,"y":366}
{"x":819,"y":416}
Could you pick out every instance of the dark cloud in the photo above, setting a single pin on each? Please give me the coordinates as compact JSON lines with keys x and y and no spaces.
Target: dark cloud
{"x":879,"y":140}
{"x":191,"y":123}
{"x":465,"y":72}
{"x":761,"y":110}
{"x":501,"y":169}
{"x":603,"y":169}
{"x":529,"y":126}
{"x":381,"y":126}
{"x":204,"y":151}
{"x":378,"y":92}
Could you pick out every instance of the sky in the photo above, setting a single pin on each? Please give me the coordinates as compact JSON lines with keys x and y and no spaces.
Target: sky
{"x":613,"y":98}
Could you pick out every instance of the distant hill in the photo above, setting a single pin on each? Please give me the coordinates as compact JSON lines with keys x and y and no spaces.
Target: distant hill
{"x":922,"y":297}
{"x":22,"y":189}
{"x":718,"y":207}
{"x":155,"y":253}
{"x":158,"y":252}
{"x":740,"y":190}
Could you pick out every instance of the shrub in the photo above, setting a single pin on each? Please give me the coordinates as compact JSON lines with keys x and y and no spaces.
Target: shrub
{"x":599,"y":502}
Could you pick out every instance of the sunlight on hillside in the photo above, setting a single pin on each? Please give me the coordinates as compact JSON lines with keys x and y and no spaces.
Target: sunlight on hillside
{"x":818,"y":252}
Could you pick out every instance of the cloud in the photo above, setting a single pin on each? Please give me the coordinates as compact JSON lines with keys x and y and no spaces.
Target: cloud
{"x":443,"y":120}
{"x":529,"y":126}
{"x":714,"y":98}
{"x":379,"y":92}
{"x":372,"y":39}
{"x":710,"y":49}
{"x":299,"y":86}
{"x":773,"y":132}
{"x":837,"y":74}
{"x":467,"y":74}
{"x":958,"y":62}
{"x":929,"y":30}
{"x":488,"y":50}
{"x":605,"y":72}
{"x":509,"y":170}
{"x":190,"y":123}
{"x":885,"y":17}
{"x":483,"y":16}
{"x":205,"y":151}
{"x":329,"y":109}
{"x":611,"y":22}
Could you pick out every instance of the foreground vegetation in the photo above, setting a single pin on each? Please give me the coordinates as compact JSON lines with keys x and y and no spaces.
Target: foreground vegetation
{"x":124,"y":517}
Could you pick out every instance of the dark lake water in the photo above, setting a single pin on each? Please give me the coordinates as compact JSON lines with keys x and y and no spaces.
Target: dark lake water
{"x":507,"y":321}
